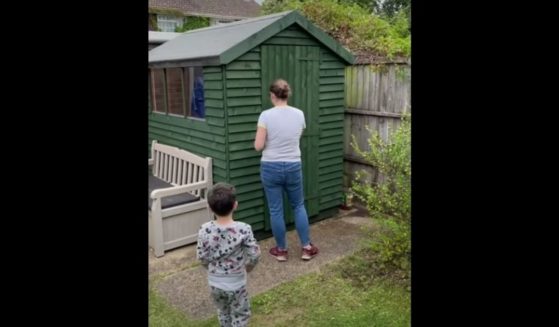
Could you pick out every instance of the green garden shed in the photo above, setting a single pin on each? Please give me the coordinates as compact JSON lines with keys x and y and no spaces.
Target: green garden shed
{"x":208,"y":87}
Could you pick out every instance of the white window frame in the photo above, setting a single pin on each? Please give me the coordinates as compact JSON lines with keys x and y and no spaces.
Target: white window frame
{"x":167,"y":23}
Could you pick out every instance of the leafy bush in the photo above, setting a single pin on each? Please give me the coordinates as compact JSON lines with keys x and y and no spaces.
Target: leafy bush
{"x":193,"y":23}
{"x":352,"y":25}
{"x":389,"y":199}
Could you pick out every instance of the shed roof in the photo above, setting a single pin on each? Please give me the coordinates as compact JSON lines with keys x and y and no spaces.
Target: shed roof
{"x":161,"y":37}
{"x":221,"y":44}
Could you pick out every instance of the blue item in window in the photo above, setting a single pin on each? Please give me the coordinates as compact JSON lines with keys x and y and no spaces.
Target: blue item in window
{"x":198,"y":98}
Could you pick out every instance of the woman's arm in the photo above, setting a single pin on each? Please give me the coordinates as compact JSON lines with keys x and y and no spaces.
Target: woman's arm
{"x":260,"y":139}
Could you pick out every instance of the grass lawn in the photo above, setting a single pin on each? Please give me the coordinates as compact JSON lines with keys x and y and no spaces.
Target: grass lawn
{"x":342,"y":294}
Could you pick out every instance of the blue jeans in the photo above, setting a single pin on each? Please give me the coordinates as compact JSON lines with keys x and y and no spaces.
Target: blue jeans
{"x":276,"y":178}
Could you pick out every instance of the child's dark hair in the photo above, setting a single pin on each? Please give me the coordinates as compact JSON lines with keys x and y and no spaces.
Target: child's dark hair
{"x":280,"y":89}
{"x":221,"y":198}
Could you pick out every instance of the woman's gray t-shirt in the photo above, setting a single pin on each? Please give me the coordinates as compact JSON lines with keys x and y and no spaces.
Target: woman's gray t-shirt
{"x":284,"y":126}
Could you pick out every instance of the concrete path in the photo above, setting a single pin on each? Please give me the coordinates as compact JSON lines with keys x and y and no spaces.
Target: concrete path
{"x":179,"y":278}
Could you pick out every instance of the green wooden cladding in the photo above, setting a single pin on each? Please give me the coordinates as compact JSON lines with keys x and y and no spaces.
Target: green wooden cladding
{"x":236,"y":94}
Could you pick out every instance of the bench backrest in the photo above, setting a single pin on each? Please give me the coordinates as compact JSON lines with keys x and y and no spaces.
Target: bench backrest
{"x":180,"y":167}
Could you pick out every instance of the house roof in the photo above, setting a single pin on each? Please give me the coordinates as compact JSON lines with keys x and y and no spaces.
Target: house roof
{"x":161,"y":37}
{"x":210,"y":8}
{"x":221,"y":44}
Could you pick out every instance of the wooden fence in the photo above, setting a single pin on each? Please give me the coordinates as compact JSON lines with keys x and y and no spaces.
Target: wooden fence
{"x":376,"y":97}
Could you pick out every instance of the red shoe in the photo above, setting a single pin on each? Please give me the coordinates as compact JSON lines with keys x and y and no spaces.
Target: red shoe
{"x":308,"y":254}
{"x":280,"y":255}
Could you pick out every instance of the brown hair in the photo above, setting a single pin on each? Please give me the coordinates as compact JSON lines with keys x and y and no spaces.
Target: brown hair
{"x":221,"y":198}
{"x":280,"y":89}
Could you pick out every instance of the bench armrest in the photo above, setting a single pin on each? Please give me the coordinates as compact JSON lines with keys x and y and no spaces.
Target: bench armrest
{"x":162,"y":192}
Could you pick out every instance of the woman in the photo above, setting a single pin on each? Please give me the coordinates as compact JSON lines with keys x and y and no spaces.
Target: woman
{"x":277,"y":136}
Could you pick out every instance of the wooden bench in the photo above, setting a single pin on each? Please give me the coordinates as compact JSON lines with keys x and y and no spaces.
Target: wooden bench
{"x":177,"y":203}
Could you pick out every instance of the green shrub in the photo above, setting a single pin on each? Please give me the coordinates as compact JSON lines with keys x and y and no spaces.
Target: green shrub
{"x":352,"y":25}
{"x":192,"y":23}
{"x":389,"y":198}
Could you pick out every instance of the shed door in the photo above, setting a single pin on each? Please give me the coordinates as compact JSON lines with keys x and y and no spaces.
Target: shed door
{"x":299,"y":66}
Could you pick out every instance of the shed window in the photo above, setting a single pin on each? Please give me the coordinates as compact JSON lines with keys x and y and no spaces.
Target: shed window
{"x":158,"y":90}
{"x":150,"y":106}
{"x":175,"y":94}
{"x":178,"y":91}
{"x":197,"y":102}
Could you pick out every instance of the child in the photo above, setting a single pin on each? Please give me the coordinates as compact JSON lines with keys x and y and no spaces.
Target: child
{"x":228,"y":249}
